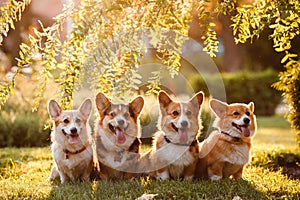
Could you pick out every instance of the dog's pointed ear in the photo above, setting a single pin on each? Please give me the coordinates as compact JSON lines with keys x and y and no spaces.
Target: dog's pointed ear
{"x":164,"y":99}
{"x":86,"y":108}
{"x":251,"y":106}
{"x":137,"y":104}
{"x":197,"y":100}
{"x":54,"y":109}
{"x":102,"y":102}
{"x":218,"y":107}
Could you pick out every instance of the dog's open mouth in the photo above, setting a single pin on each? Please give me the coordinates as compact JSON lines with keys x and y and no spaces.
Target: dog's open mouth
{"x":120,"y":133}
{"x":174,"y":127}
{"x":182,"y":134}
{"x":73,"y":138}
{"x":243,"y":128}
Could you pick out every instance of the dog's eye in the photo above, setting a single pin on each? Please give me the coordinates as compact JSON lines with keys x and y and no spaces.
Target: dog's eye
{"x":236,"y":113}
{"x":247,"y":113}
{"x":188,"y":113}
{"x":66,"y":121}
{"x":113,"y":114}
{"x":175,"y":113}
{"x":77,"y":120}
{"x":126,"y":115}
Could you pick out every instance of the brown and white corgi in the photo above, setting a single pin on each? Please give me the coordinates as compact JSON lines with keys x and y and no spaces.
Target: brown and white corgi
{"x":226,"y":151}
{"x":117,"y":133}
{"x":174,"y":153}
{"x":71,"y":144}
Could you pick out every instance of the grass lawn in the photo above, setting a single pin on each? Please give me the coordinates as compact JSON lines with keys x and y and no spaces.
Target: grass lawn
{"x":23,"y":174}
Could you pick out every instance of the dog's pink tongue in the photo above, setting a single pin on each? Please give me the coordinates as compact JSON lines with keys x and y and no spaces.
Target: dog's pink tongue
{"x":245,"y":131}
{"x":120,"y":136}
{"x":73,"y":140}
{"x":183,"y":138}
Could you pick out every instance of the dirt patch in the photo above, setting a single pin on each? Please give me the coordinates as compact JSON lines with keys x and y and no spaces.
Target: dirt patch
{"x":290,"y":164}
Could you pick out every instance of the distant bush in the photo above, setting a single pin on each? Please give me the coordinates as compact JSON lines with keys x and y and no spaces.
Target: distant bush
{"x":19,"y":126}
{"x":245,"y":87}
{"x":22,"y":129}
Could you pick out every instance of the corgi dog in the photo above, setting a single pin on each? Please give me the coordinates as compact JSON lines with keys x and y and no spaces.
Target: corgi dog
{"x":71,"y":145}
{"x":117,"y":133}
{"x":226,"y":151}
{"x":174,"y":152}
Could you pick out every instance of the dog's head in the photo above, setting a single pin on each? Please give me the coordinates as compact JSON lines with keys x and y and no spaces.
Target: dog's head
{"x":70,"y":125}
{"x":180,"y":120}
{"x":119,"y":121}
{"x":236,"y":119}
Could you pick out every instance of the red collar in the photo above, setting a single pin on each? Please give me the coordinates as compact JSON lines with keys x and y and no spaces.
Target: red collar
{"x":68,"y":153}
{"x":235,"y":139}
{"x":194,"y":142}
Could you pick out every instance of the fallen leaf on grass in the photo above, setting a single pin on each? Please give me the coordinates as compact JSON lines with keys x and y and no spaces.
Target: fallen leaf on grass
{"x":147,"y":196}
{"x":237,"y":198}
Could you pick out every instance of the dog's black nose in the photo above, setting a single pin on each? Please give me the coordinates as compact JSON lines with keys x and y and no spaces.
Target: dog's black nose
{"x":73,"y":130}
{"x":184,"y":124}
{"x":246,"y":120}
{"x":121,"y":122}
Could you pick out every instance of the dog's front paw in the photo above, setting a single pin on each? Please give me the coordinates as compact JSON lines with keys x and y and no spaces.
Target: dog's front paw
{"x":162,"y":176}
{"x":244,"y":179}
{"x":49,"y":179}
{"x":215,"y":177}
{"x":64,"y":179}
{"x":53,"y":176}
{"x":86,"y":178}
{"x":188,"y":178}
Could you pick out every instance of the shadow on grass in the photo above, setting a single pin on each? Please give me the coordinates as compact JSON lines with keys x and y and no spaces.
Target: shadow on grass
{"x":172,"y":189}
{"x":290,"y":164}
{"x":288,"y":161}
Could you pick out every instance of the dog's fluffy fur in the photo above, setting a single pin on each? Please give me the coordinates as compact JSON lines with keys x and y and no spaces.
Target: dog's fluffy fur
{"x":71,"y":145}
{"x":226,"y":151}
{"x":175,"y":149}
{"x":117,"y":137}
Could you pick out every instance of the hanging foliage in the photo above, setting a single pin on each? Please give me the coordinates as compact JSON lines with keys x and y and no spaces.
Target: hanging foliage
{"x":10,"y":13}
{"x":106,"y":44}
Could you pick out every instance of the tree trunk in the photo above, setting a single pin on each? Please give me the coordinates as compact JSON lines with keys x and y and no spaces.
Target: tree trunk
{"x":232,"y":58}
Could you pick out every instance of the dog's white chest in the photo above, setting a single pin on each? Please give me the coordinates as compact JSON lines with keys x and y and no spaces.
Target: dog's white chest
{"x":74,"y":165}
{"x":175,"y":155}
{"x":175,"y":158}
{"x":116,"y":160}
{"x":240,"y":155}
{"x":115,"y":157}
